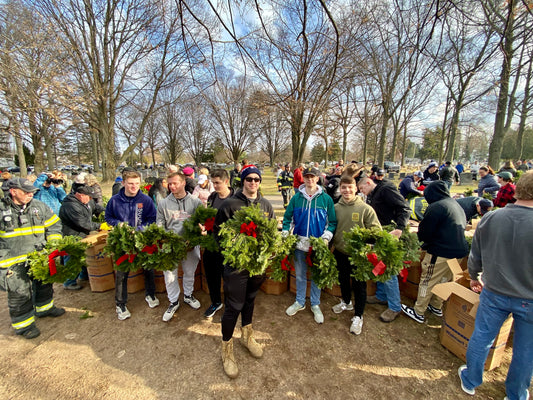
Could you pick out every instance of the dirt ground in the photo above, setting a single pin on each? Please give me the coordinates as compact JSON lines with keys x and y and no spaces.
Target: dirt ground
{"x":146,"y":358}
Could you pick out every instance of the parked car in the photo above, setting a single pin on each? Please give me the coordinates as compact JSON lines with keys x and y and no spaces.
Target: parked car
{"x":391,"y":166}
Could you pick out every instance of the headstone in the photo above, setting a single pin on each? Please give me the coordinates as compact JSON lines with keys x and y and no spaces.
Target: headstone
{"x":402,"y":175}
{"x":392,"y":175}
{"x":466,"y":178}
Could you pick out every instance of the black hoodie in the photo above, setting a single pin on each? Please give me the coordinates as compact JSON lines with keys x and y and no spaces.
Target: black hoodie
{"x":442,"y":230}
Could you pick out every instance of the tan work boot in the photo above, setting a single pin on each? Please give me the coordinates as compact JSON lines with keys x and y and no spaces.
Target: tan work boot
{"x":247,"y":339}
{"x":228,"y":360}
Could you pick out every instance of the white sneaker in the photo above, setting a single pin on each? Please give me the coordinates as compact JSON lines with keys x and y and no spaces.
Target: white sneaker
{"x":357,"y":325}
{"x":192,"y":301}
{"x":123,"y":312}
{"x":172,"y":308}
{"x":342,"y":306}
{"x":153,"y":302}
{"x":294,"y":309}
{"x":317,"y":312}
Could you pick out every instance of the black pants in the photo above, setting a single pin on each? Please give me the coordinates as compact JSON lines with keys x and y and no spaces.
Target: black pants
{"x":349,"y":284}
{"x":240,"y":290}
{"x":121,"y":285}
{"x":213,"y":267}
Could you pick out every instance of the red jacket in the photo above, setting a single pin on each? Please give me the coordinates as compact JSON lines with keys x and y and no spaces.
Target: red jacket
{"x":298,"y":178}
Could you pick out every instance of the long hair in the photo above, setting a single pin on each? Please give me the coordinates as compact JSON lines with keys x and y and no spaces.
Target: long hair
{"x":157,"y":187}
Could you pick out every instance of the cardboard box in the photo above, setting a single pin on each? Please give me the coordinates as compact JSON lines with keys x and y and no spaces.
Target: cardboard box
{"x":409,"y":288}
{"x":459,"y":318}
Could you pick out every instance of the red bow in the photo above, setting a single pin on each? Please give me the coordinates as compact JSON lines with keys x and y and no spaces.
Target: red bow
{"x":249,"y":229}
{"x":52,"y":262}
{"x":209,"y":222}
{"x":129,"y":257}
{"x":403,"y":274}
{"x":308,"y":259}
{"x":286,"y":265}
{"x":379,"y":266}
{"x":150,"y":249}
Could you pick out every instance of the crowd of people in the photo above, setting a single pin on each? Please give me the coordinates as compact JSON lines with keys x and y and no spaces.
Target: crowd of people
{"x":323,"y":206}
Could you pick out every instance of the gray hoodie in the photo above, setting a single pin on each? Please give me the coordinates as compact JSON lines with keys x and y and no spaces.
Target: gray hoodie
{"x":171,"y":212}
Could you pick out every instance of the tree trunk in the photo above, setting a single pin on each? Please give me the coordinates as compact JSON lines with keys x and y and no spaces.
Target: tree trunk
{"x":496,"y":144}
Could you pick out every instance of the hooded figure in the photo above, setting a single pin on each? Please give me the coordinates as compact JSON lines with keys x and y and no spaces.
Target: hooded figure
{"x":442,"y":230}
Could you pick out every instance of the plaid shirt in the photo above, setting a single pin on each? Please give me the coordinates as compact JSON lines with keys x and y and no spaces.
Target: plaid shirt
{"x":505,"y":195}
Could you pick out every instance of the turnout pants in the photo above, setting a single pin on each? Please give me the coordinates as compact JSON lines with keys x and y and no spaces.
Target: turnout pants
{"x":26,"y":298}
{"x":240,"y":290}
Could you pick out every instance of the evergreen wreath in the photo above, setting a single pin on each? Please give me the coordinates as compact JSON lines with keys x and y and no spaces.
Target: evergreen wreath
{"x":192,"y":232}
{"x":283,"y":262}
{"x":322,"y":263}
{"x":249,"y":240}
{"x":121,"y":247}
{"x":159,"y":249}
{"x":378,"y":255}
{"x":44,"y":268}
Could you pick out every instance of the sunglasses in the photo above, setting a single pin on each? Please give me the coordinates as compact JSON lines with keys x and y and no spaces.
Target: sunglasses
{"x":252,"y":179}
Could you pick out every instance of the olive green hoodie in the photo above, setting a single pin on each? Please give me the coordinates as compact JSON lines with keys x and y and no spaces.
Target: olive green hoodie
{"x":350,"y":214}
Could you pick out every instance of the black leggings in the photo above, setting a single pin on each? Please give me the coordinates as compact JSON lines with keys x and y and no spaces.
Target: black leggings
{"x":240,"y":290}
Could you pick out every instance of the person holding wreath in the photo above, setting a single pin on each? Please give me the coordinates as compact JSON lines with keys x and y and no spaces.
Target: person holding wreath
{"x":351,"y":210}
{"x":240,"y":289}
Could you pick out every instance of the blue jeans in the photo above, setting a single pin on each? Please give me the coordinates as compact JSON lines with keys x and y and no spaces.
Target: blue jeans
{"x":300,"y":267}
{"x":390,"y":292}
{"x":492,"y":311}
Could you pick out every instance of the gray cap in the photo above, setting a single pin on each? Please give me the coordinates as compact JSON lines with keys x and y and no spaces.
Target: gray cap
{"x":22,"y":184}
{"x":84,"y":189}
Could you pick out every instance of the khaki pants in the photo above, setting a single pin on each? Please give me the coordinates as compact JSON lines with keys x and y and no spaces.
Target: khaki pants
{"x":432,"y":274}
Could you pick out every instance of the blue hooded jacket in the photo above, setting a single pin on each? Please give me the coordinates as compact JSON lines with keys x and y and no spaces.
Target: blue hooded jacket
{"x":137,"y":211}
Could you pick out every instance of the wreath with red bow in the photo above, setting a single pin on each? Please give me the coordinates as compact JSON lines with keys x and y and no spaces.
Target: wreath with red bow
{"x":44,"y":266}
{"x":192,"y":232}
{"x":121,"y":247}
{"x":159,"y":249}
{"x":249,"y":241}
{"x":378,"y":255}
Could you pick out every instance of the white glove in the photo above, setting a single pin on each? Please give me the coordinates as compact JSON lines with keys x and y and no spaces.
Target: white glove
{"x":284,"y":234}
{"x":327,"y":236}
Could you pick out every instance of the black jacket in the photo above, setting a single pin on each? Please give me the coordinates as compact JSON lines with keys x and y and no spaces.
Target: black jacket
{"x":236,"y":202}
{"x":76,"y":217}
{"x":389,"y":205}
{"x":442,"y":230}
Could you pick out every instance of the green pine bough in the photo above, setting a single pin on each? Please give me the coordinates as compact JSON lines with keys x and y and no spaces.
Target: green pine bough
{"x":192,"y":232}
{"x":324,"y":266}
{"x":249,"y":240}
{"x":40,"y":262}
{"x":377,"y":254}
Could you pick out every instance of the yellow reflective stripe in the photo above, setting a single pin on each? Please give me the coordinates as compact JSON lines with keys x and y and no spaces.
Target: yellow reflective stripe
{"x":22,"y":231}
{"x":12,"y":261}
{"x":55,"y":236}
{"x":46,"y":307}
{"x":51,"y":221}
{"x":24,"y":324}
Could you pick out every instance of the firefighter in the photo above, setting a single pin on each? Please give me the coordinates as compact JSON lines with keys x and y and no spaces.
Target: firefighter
{"x":285,"y":181}
{"x":25,"y":226}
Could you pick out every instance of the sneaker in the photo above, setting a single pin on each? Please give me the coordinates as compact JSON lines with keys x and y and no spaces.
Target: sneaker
{"x":411,"y":313}
{"x":317,"y":312}
{"x":152,"y":301}
{"x":212,"y":309}
{"x":72,"y":287}
{"x":192,"y":301}
{"x":53,"y":312}
{"x":172,"y":308}
{"x":375,"y":300}
{"x":31,"y":333}
{"x":294,"y":309}
{"x":388,"y":315}
{"x":471,"y":392}
{"x":123,"y":312}
{"x":357,"y":325}
{"x":435,"y":310}
{"x":342,"y":306}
